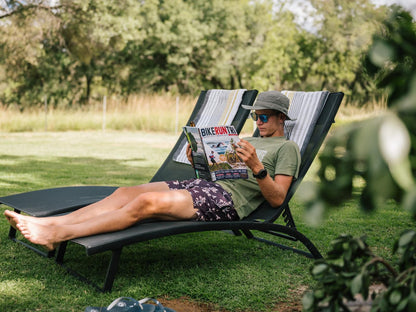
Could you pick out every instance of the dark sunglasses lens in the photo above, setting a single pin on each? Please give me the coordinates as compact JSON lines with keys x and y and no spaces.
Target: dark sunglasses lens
{"x":263,"y":118}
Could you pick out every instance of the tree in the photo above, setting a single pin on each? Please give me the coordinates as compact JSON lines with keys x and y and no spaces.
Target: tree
{"x":74,"y":50}
{"x":192,"y":44}
{"x":22,"y":49}
{"x":280,"y":63}
{"x":344,"y":30}
{"x":96,"y":30}
{"x":59,"y":50}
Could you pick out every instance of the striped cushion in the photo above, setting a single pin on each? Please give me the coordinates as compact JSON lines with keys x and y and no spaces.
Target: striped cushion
{"x":219,"y":108}
{"x":304,"y":109}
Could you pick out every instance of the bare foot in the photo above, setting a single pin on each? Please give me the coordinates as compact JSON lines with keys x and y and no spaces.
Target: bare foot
{"x":12,"y":217}
{"x":38,"y":233}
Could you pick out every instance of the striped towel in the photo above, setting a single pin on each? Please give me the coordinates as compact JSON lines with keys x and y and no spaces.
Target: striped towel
{"x":305,"y":108}
{"x":219,"y":108}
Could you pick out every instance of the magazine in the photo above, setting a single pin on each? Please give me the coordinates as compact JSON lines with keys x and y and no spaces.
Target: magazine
{"x":213,"y":153}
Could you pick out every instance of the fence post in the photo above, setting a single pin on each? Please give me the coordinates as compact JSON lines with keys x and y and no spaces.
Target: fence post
{"x":104,"y":111}
{"x":177,"y":115}
{"x":46,"y":112}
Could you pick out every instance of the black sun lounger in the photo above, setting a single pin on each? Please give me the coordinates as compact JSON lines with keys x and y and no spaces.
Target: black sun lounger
{"x":314,"y":113}
{"x":213,"y":107}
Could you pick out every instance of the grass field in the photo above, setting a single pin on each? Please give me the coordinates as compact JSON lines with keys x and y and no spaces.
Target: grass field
{"x":226,"y":272}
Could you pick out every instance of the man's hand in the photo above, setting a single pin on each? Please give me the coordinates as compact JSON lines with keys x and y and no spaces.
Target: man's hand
{"x":189,"y":154}
{"x":248,"y":154}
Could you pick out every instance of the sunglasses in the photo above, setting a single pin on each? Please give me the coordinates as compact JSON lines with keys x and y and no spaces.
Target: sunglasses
{"x":263,"y":117}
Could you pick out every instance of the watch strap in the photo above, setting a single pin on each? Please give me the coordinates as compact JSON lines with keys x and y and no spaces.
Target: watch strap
{"x":261,"y":174}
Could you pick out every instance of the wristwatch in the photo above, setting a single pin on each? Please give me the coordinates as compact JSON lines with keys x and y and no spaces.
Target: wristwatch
{"x":261,"y":174}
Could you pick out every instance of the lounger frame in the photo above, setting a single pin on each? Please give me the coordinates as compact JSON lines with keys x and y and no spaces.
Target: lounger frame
{"x":262,"y":220}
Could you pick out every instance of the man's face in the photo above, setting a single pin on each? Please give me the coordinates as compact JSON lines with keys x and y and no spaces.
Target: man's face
{"x":270,"y":128}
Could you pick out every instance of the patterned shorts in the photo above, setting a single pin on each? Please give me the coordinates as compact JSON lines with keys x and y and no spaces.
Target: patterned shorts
{"x":211,"y":200}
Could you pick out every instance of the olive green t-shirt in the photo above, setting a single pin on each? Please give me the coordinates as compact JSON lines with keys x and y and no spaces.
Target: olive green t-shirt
{"x":279,"y":156}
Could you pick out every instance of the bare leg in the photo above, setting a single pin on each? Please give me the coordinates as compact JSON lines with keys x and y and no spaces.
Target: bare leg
{"x":166,"y":205}
{"x":121,"y":197}
{"x":115,"y":201}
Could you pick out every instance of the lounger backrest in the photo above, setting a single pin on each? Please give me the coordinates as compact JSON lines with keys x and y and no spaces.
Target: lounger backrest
{"x":172,"y":169}
{"x":319,"y":126}
{"x":218,"y":107}
{"x":304,"y":110}
{"x":313,"y":114}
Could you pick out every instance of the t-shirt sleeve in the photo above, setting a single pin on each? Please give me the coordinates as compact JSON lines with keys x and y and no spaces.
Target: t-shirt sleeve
{"x":288,"y":160}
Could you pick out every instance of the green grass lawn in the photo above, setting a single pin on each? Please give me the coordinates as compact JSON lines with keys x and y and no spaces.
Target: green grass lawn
{"x":227,"y":272}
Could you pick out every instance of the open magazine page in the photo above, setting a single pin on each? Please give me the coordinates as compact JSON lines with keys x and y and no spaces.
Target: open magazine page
{"x":198,"y":154}
{"x":219,"y":145}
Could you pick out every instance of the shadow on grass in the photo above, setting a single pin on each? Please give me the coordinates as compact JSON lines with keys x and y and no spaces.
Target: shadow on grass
{"x":208,"y":266}
{"x":27,"y":173}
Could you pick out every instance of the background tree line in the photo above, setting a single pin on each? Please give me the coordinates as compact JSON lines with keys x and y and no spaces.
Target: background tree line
{"x":75,"y":50}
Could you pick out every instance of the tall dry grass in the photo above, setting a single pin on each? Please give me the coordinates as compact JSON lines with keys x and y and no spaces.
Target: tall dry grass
{"x":146,"y":112}
{"x":142,"y":112}
{"x":350,"y":111}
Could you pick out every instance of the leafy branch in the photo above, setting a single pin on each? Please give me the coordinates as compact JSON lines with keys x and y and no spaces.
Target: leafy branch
{"x":351,"y":268}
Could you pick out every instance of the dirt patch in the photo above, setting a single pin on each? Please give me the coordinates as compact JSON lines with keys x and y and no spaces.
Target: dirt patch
{"x":295,"y":302}
{"x":186,"y":305}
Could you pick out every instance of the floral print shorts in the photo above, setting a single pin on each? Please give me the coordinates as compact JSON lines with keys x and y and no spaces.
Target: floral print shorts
{"x":211,"y":200}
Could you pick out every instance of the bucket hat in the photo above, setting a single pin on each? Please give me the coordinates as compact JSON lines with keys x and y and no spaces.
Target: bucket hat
{"x":274,"y":100}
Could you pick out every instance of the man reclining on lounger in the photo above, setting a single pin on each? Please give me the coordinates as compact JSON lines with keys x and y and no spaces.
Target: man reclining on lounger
{"x":273,"y":161}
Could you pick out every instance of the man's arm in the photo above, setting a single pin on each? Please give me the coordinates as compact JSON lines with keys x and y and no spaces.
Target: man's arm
{"x":274,"y":190}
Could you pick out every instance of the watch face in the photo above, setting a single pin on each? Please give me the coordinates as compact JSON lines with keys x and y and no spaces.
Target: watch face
{"x":262,"y":174}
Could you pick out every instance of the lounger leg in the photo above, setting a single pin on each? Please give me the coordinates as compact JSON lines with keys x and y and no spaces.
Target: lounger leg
{"x":61,"y":252}
{"x":247,"y":233}
{"x":287,"y":216}
{"x":233,"y":232}
{"x":112,"y":270}
{"x":285,"y":232}
{"x":12,"y":233}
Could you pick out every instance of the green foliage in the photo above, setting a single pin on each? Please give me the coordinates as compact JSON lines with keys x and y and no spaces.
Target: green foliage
{"x":339,"y":276}
{"x":351,"y":268}
{"x":344,"y":32}
{"x":380,"y":153}
{"x":58,"y":52}
{"x":189,"y":44}
{"x":401,"y":294}
{"x":78,"y":50}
